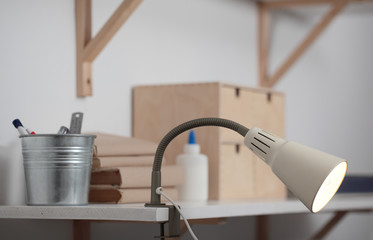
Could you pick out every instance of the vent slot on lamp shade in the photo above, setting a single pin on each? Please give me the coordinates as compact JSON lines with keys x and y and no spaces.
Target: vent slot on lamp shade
{"x":262,"y":143}
{"x":269,"y":138}
{"x":258,"y":148}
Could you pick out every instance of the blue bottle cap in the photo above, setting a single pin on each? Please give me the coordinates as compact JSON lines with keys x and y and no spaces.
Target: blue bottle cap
{"x":17,"y":123}
{"x":192,"y":137}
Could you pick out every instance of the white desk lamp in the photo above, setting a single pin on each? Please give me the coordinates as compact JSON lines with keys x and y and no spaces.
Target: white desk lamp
{"x":311,"y":175}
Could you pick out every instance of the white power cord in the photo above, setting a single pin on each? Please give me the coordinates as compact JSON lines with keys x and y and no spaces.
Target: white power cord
{"x":159,"y":191}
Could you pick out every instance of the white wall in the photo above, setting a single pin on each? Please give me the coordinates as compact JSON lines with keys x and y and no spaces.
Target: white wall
{"x":328,"y":91}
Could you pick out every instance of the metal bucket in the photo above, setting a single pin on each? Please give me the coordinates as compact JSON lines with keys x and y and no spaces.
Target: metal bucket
{"x":57,"y":168}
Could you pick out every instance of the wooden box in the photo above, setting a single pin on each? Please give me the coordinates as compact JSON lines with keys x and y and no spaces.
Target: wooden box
{"x":234,"y":172}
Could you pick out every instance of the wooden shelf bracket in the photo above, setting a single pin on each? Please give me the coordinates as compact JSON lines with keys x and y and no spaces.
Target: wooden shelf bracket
{"x":264,"y":28}
{"x":88,"y":48}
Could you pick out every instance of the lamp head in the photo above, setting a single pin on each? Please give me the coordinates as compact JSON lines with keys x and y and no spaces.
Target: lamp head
{"x":311,"y":175}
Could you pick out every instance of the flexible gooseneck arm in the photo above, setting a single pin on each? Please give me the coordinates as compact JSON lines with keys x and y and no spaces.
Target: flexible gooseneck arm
{"x":156,"y":174}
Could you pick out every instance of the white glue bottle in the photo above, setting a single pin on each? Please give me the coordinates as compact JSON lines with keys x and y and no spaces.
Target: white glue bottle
{"x":195,"y":187}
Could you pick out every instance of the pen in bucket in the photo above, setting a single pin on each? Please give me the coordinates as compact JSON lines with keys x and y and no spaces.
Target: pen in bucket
{"x":76,"y":122}
{"x":18,"y":125}
{"x":63,"y":130}
{"x":29,"y":131}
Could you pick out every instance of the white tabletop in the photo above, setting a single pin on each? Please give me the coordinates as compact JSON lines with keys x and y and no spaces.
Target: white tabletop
{"x":192,"y":210}
{"x":215,"y":209}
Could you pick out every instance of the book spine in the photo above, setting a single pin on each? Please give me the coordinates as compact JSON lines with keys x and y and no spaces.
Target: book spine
{"x":137,"y":177}
{"x":116,"y":195}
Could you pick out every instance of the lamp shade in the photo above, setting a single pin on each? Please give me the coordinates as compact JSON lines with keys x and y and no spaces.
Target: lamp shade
{"x":311,"y":175}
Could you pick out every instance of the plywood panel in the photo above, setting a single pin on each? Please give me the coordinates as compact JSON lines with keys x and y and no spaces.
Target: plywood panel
{"x":232,"y":175}
{"x":237,"y":173}
{"x":236,"y":104}
{"x":158,"y":109}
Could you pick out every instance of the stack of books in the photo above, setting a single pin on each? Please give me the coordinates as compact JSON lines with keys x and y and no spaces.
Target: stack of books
{"x":122,"y":168}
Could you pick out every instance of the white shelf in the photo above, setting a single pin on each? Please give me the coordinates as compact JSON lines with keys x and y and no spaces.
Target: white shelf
{"x":122,"y":212}
{"x":218,"y":209}
{"x":210,"y":209}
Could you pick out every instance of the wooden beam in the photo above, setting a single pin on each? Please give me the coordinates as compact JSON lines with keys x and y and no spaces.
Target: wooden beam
{"x":83,"y":30}
{"x":263,"y":41}
{"x":110,"y":28}
{"x":330,"y":225}
{"x":337,"y":8}
{"x":82,"y":230}
{"x":262,"y":227}
{"x":87,"y":49}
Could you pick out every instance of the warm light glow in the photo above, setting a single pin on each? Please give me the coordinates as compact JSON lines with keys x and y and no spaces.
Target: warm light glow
{"x":329,"y":187}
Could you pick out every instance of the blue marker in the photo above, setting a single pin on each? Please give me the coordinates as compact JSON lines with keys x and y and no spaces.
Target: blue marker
{"x":17,"y":124}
